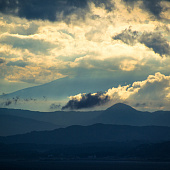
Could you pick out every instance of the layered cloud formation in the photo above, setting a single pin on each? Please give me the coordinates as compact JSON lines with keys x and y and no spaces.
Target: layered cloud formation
{"x":149,"y":94}
{"x":121,"y":40}
{"x":56,"y":10}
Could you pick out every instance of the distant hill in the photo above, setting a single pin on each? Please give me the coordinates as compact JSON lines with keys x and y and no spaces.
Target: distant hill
{"x":122,"y":114}
{"x":11,"y":125}
{"x":62,"y":118}
{"x":119,"y":114}
{"x":91,"y":134}
{"x":62,"y":88}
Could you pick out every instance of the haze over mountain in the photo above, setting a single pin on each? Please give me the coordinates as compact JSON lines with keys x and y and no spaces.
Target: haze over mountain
{"x":119,"y":114}
{"x":62,"y":118}
{"x":97,"y":94}
{"x":51,"y":96}
{"x":63,"y":87}
{"x":11,"y":125}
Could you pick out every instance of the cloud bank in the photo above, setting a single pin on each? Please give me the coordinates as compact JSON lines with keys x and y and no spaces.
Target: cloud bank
{"x":39,"y":46}
{"x":54,"y":10}
{"x":150,"y":94}
{"x":122,"y":41}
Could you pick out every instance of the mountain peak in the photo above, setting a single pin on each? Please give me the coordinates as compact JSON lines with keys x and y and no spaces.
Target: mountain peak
{"x":120,"y":107}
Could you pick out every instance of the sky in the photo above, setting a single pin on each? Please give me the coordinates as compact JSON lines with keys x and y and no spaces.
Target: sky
{"x":125,"y":41}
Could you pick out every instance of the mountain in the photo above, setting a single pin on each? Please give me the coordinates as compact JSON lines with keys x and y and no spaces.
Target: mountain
{"x":120,"y":107}
{"x":119,"y":114}
{"x":11,"y":125}
{"x":61,"y":118}
{"x":90,"y":134}
{"x":41,"y":97}
{"x":123,"y":114}
{"x":62,"y":88}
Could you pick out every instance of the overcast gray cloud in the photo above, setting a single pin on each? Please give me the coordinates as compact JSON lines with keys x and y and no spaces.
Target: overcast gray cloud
{"x":18,"y":63}
{"x":127,"y":36}
{"x":55,"y":106}
{"x":2,"y":61}
{"x":53,"y":10}
{"x":154,"y":40}
{"x":40,"y":9}
{"x":33,"y":45}
{"x":153,"y":6}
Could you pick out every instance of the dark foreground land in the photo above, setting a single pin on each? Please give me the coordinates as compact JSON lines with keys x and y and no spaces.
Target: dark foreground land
{"x":92,"y":147}
{"x":83,"y":165}
{"x":101,"y":156}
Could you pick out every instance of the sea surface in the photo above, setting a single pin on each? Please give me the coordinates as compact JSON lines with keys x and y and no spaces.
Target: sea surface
{"x":83,"y":165}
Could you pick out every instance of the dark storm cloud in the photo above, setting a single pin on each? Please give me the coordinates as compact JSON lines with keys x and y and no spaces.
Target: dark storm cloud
{"x":153,"y":6}
{"x":54,"y":106}
{"x":127,"y":36}
{"x":87,"y":101}
{"x":140,"y":104}
{"x":15,"y":100}
{"x":18,"y":63}
{"x":48,"y":10}
{"x":10,"y":101}
{"x":153,"y":40}
{"x":2,"y":61}
{"x":109,"y":6}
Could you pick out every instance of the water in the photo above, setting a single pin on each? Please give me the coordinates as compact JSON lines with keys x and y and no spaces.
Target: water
{"x":83,"y":165}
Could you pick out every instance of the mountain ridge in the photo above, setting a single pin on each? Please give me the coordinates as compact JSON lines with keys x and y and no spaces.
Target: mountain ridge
{"x":11,"y":125}
{"x":62,"y":87}
{"x":93,"y":133}
{"x":119,"y":114}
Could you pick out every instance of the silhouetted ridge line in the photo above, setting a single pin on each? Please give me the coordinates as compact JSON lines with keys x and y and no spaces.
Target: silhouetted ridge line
{"x":94,"y":133}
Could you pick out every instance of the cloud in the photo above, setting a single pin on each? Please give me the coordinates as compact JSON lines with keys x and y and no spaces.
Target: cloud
{"x":13,"y":101}
{"x":55,"y":106}
{"x":8,"y":102}
{"x":18,"y":63}
{"x":151,"y":94}
{"x":153,"y":40}
{"x":140,"y":104}
{"x":156,"y":41}
{"x":153,"y":6}
{"x":32,"y":44}
{"x":2,"y":61}
{"x":155,"y":87}
{"x":82,"y":48}
{"x":29,"y":74}
{"x":154,"y":92}
{"x":84,"y":100}
{"x":54,"y":10}
{"x":127,"y":36}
